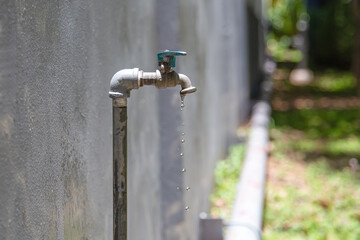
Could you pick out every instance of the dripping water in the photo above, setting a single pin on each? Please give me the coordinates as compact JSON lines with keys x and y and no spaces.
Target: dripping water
{"x":182,"y":140}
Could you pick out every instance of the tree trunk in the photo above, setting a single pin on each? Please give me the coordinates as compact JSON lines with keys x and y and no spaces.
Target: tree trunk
{"x":356,"y":60}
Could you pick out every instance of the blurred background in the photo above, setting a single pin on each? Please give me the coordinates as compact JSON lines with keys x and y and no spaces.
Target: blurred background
{"x":313,"y":178}
{"x":56,"y":62}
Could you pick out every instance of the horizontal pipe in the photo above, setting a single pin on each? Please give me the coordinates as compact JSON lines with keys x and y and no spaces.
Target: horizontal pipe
{"x":246,"y":220}
{"x":126,"y":80}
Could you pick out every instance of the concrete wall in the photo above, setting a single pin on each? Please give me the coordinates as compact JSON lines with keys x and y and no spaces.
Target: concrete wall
{"x":214,"y":34}
{"x":56,"y":61}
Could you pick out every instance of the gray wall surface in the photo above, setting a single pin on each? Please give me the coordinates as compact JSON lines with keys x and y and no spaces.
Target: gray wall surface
{"x":56,"y":62}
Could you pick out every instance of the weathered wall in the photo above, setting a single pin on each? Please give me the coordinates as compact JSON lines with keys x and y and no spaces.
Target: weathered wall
{"x":55,"y":171}
{"x":214,"y":33}
{"x":56,"y":61}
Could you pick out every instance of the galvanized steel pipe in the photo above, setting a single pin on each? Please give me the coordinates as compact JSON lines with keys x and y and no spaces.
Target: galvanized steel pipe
{"x":120,"y":168}
{"x":121,"y":84}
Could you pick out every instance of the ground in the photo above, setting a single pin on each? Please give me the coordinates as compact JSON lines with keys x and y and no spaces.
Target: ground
{"x":313,"y":186}
{"x":313,"y":182}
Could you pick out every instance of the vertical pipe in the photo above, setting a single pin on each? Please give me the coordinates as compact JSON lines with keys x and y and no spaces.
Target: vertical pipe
{"x":120,"y":168}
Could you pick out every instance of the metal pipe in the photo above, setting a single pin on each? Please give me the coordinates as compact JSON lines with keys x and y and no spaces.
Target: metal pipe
{"x":120,"y":168}
{"x":185,"y":83}
{"x":246,"y":220}
{"x":128,"y":79}
{"x":121,"y":84}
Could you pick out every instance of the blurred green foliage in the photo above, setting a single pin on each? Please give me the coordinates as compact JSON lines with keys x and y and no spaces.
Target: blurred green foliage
{"x":330,"y":81}
{"x":331,"y":31}
{"x":227,"y":173}
{"x":327,"y":83}
{"x":280,"y":49}
{"x":283,"y":16}
{"x":320,"y":123}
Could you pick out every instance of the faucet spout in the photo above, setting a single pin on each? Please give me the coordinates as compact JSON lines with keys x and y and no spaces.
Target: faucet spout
{"x":186,"y":86}
{"x":170,"y":79}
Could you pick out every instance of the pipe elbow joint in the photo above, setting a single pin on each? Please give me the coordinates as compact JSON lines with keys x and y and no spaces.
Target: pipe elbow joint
{"x":123,"y":81}
{"x":186,"y":86}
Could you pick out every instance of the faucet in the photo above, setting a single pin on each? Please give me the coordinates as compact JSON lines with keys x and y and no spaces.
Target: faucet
{"x":127,"y":79}
{"x":120,"y":86}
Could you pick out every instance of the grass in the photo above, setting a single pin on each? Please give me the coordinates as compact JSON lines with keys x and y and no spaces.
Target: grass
{"x":312,"y":191}
{"x":311,"y":195}
{"x":326,"y":83}
{"x":226,"y":177}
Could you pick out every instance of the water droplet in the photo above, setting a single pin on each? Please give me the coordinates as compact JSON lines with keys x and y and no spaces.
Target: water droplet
{"x":187,"y":208}
{"x":203,"y":215}
{"x":182,"y":140}
{"x":182,"y":105}
{"x":181,"y":154}
{"x":183,"y":134}
{"x":178,"y":188}
{"x":187,"y":188}
{"x":183,"y":170}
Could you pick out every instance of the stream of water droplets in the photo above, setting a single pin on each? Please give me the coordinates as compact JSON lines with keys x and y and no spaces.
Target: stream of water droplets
{"x":182,"y":137}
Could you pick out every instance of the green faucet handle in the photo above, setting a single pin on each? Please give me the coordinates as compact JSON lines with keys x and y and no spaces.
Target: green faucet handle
{"x":169,"y":57}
